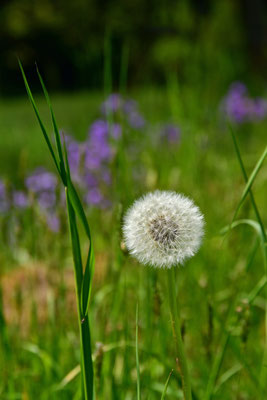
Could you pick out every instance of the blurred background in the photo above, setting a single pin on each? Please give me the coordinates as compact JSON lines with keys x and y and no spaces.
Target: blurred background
{"x":212,"y":42}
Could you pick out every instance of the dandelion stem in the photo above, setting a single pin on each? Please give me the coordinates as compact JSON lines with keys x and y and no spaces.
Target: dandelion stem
{"x":176,"y":328}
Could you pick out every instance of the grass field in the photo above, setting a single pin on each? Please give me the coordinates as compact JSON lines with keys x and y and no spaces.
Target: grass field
{"x":222,"y":308}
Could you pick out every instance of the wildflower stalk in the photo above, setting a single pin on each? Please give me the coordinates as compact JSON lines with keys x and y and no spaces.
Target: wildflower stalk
{"x":176,"y":328}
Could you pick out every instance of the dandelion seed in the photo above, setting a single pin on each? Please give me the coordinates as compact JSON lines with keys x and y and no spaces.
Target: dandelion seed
{"x":163,"y":229}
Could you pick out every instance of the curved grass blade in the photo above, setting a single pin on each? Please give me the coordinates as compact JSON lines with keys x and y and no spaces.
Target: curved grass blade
{"x":228,"y":375}
{"x":68,"y":378}
{"x":56,"y":131}
{"x":255,"y":225}
{"x":257,"y":289}
{"x":39,"y":118}
{"x":166,"y":386}
{"x":250,"y":181}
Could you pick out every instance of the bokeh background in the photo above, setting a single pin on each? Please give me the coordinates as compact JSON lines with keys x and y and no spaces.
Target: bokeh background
{"x":205,"y":42}
{"x":143,"y":92}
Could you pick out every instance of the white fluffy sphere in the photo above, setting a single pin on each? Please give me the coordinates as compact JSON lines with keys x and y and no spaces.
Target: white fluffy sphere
{"x":163,"y":229}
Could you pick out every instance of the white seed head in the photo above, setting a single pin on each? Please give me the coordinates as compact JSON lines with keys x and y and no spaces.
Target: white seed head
{"x":163,"y":229}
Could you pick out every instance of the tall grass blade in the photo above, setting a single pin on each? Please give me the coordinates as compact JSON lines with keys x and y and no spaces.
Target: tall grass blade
{"x":228,"y":375}
{"x":216,"y":366}
{"x":39,"y":118}
{"x":86,"y":353}
{"x":166,"y":386}
{"x":56,"y":131}
{"x":250,"y":181}
{"x":137,"y":356}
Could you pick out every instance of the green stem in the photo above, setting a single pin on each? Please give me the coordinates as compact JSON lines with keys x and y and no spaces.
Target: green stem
{"x":176,"y":328}
{"x":84,"y":328}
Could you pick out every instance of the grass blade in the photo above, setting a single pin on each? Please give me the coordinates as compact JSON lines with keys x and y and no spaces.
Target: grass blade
{"x":89,"y":268}
{"x":249,"y":222}
{"x":39,"y":118}
{"x":56,"y":131}
{"x":250,"y":181}
{"x":166,"y":386}
{"x":228,"y":375}
{"x":137,"y":356}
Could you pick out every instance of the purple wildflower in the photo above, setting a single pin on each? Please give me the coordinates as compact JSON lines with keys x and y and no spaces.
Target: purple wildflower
{"x":93,"y":197}
{"x":53,"y":222}
{"x":171,"y":133}
{"x":259,"y":109}
{"x":116,"y":131}
{"x":129,"y":106}
{"x":20,"y":199}
{"x":41,"y":180}
{"x":74,"y":153}
{"x":240,"y":108}
{"x":46,"y":200}
{"x":136,"y":120}
{"x":112,"y":104}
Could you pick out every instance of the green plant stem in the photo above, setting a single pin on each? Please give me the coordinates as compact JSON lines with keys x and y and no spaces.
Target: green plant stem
{"x":176,"y":328}
{"x":84,"y":328}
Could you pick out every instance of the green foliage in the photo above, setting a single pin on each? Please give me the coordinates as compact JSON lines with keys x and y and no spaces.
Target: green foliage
{"x":221,"y":291}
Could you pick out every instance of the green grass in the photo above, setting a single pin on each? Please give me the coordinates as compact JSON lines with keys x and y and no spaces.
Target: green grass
{"x":221,"y":290}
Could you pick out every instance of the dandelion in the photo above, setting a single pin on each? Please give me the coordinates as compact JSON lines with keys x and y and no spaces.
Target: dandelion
{"x":163,"y":229}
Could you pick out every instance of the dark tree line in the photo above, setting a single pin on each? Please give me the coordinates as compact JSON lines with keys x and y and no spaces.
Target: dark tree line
{"x":67,"y":40}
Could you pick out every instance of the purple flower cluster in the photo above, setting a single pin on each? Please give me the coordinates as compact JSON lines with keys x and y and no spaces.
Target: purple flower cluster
{"x":240,"y":107}
{"x":89,"y":162}
{"x":98,"y":153}
{"x":20,"y":199}
{"x":42,"y":185}
{"x":171,"y":133}
{"x":14,"y":199}
{"x":127,"y":109}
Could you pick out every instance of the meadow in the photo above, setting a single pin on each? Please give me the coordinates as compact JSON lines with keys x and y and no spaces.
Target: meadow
{"x":179,"y":141}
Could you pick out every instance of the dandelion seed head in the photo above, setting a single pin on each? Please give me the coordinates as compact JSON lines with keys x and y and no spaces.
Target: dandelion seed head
{"x":163,"y":229}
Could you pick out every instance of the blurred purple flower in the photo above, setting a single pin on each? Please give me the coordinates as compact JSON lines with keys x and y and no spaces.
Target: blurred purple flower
{"x":260,"y":108}
{"x":112,"y":104}
{"x":93,"y":197}
{"x":20,"y":199}
{"x":89,"y":180}
{"x":4,"y":205}
{"x":46,"y":200}
{"x":171,"y":133}
{"x":240,"y":108}
{"x":136,"y":120}
{"x":106,"y":176}
{"x":41,"y":180}
{"x":53,"y":222}
{"x":129,"y":106}
{"x":74,"y":153}
{"x":116,"y":131}
{"x":97,"y":149}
